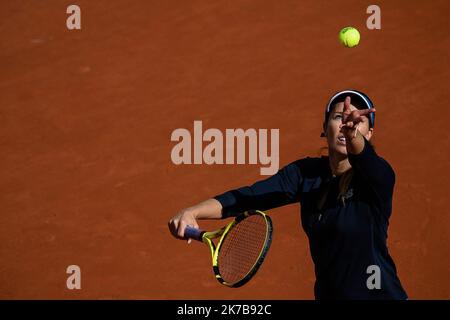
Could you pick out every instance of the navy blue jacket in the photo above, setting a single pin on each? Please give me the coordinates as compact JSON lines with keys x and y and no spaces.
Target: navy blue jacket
{"x":346,"y":236}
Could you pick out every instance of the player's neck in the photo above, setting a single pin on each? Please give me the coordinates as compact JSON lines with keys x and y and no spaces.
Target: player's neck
{"x":338,"y":164}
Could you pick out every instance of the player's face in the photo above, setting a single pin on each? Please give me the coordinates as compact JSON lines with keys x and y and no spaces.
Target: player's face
{"x":335,"y":138}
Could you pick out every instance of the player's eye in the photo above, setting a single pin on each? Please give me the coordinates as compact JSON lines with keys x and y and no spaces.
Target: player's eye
{"x":337,"y":116}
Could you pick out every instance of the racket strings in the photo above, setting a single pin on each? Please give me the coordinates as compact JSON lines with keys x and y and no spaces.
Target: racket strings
{"x":242,"y":248}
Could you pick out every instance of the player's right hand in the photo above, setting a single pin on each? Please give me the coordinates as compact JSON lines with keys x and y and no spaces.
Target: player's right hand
{"x":180,"y":221}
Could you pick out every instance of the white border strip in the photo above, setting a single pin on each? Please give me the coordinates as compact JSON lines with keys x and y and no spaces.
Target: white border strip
{"x":368,"y":104}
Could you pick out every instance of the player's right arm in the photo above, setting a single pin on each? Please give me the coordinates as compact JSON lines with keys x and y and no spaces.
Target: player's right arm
{"x":276,"y":191}
{"x":280,"y":189}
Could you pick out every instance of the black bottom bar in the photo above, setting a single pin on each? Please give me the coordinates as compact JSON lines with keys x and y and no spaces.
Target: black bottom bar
{"x":223,"y":309}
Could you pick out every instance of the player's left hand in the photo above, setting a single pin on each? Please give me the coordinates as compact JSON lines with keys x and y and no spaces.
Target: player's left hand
{"x":352,"y":118}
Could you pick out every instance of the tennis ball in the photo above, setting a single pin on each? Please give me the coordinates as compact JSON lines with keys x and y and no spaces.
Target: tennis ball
{"x":349,"y":37}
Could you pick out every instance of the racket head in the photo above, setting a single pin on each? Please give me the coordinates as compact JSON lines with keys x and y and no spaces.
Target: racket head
{"x":242,"y":248}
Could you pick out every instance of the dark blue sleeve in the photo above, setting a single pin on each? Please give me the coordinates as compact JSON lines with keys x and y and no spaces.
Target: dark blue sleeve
{"x":278,"y":190}
{"x":375,"y":171}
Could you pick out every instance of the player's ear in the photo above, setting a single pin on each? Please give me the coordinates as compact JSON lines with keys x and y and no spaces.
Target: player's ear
{"x":324,"y":132}
{"x":369,"y":134}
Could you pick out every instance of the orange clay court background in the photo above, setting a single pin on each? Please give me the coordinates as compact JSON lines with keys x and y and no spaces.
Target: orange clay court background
{"x":86,"y":118}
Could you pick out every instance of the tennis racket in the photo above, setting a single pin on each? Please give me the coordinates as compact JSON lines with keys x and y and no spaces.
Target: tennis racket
{"x":241,"y":249}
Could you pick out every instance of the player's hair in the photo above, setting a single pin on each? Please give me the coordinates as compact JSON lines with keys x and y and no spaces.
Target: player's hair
{"x":344,"y":184}
{"x":359,"y":99}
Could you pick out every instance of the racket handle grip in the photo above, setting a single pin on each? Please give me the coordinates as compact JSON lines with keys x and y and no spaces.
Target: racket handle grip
{"x":193,"y":233}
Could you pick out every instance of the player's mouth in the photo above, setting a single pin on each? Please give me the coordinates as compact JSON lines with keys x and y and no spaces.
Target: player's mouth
{"x":341,"y":140}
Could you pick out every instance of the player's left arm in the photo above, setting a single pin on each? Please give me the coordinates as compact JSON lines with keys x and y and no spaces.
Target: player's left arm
{"x":362,"y":156}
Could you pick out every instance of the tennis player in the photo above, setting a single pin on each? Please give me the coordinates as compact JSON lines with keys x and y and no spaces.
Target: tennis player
{"x":346,"y":203}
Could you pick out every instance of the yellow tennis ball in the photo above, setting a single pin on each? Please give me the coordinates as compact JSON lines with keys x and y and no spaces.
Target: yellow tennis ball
{"x":349,"y":37}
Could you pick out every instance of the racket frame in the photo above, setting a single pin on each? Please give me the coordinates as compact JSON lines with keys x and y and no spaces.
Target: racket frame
{"x":207,"y":237}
